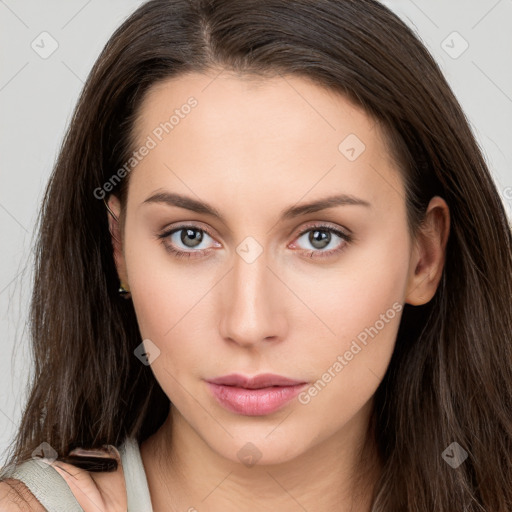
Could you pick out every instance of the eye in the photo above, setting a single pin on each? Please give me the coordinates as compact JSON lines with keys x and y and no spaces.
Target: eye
{"x":321,"y":236}
{"x":187,"y":237}
{"x":185,"y":241}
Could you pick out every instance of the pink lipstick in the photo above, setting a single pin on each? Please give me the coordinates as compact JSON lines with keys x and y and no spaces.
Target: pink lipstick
{"x":254,"y":396}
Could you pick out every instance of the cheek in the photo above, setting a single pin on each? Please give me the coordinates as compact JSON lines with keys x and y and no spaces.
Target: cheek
{"x":171,"y":302}
{"x":359,"y":307}
{"x":169,"y":305}
{"x":361,"y":286}
{"x":164,"y":290}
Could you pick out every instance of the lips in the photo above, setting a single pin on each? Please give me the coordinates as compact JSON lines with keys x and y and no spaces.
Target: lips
{"x":263,"y":380}
{"x":254,"y":396}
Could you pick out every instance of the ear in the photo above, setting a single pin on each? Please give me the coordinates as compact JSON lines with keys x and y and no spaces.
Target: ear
{"x":113,"y":214}
{"x":429,"y":253}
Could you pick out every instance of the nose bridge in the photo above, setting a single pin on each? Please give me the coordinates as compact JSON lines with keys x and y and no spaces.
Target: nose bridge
{"x":252,"y":309}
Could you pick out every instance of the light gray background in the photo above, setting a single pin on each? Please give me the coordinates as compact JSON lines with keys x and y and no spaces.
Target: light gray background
{"x":37,"y":97}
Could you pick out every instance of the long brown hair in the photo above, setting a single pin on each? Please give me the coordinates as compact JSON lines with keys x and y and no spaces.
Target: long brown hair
{"x":450,"y":376}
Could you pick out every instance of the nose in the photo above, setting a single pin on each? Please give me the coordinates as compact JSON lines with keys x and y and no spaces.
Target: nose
{"x":252,"y":303}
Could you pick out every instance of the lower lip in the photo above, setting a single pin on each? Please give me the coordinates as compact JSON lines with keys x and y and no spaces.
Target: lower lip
{"x":254,"y":402}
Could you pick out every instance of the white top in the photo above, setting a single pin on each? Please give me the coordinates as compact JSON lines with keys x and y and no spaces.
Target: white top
{"x":52,"y":491}
{"x":137,"y":490}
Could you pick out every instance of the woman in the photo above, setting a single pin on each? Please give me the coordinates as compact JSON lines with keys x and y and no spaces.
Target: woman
{"x":224,"y":158}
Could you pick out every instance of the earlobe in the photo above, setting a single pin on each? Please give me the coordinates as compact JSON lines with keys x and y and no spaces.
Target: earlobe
{"x":429,"y":253}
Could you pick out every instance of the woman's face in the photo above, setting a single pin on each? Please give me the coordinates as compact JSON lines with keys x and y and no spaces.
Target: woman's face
{"x":263,"y":284}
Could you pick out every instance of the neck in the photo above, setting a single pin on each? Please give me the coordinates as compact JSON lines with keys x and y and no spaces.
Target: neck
{"x":184,"y":473}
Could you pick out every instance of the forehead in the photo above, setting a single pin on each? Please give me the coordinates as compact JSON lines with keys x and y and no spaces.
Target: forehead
{"x":258,"y":136}
{"x":264,"y":103}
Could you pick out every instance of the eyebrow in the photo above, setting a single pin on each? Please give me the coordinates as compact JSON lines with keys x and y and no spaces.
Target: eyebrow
{"x":188,"y":203}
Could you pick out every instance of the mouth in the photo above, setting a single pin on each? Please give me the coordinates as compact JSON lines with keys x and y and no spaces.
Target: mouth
{"x":254,"y":396}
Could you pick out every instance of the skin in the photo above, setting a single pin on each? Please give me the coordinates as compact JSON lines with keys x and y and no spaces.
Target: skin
{"x":95,"y":492}
{"x":252,"y":148}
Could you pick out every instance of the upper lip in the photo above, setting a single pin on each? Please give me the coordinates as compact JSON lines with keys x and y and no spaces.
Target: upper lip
{"x":263,"y":380}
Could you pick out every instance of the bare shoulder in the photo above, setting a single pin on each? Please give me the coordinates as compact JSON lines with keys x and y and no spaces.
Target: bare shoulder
{"x":15,"y":497}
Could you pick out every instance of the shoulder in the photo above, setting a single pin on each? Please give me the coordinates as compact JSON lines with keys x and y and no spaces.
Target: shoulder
{"x":15,"y":497}
{"x":68,"y":486}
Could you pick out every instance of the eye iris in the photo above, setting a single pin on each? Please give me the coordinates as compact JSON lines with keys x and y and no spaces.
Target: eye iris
{"x":319,"y":239}
{"x":196,"y":240}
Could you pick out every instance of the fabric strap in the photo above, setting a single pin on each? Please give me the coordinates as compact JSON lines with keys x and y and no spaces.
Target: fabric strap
{"x":47,"y":485}
{"x":52,"y":491}
{"x":137,"y":490}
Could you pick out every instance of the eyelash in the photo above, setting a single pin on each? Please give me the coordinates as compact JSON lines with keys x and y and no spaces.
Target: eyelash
{"x":197,"y":254}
